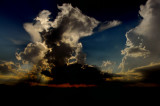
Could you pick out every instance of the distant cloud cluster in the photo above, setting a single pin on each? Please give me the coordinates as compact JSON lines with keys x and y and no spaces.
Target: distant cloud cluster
{"x":142,"y":45}
{"x":7,"y":67}
{"x":11,"y":72}
{"x":106,"y":63}
{"x":108,"y":66}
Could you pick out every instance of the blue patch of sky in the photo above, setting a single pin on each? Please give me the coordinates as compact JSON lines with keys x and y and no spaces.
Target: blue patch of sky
{"x":107,"y":45}
{"x":10,"y":33}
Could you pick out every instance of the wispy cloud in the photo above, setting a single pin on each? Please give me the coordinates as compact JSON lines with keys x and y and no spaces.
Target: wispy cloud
{"x":109,"y":24}
{"x":17,"y":42}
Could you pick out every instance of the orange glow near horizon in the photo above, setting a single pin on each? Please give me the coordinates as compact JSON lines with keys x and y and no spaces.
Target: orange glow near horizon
{"x":65,"y":85}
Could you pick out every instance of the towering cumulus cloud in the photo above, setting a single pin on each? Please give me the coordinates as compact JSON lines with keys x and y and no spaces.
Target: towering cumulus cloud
{"x":63,"y":37}
{"x":55,"y":44}
{"x":34,"y":52}
{"x":142,"y":45}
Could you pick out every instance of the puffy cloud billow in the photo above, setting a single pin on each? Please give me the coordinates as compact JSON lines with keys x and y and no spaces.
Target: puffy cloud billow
{"x":142,"y":45}
{"x":58,"y":40}
{"x":33,"y":53}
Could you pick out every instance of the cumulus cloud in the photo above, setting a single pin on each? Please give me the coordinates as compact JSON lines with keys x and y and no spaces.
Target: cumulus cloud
{"x":142,"y":45}
{"x":54,"y":43}
{"x":135,"y":52}
{"x":63,"y":38}
{"x":109,"y":24}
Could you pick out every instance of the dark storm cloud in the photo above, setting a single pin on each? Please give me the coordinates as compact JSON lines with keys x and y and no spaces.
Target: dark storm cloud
{"x":60,"y":55}
{"x":77,"y":74}
{"x":150,"y":74}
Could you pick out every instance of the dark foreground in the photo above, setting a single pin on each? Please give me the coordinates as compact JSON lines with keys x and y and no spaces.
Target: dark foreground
{"x":45,"y":95}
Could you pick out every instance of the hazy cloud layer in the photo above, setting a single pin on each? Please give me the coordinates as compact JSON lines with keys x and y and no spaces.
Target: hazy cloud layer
{"x":142,"y":45}
{"x":150,"y":73}
{"x":7,"y":67}
{"x":10,"y":72}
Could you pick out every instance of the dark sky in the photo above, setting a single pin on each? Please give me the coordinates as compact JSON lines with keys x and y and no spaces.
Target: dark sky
{"x":123,"y":10}
{"x":101,"y":9}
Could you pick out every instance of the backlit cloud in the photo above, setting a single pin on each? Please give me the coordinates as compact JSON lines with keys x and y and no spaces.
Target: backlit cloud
{"x":142,"y":45}
{"x":63,"y":38}
{"x":42,"y":23}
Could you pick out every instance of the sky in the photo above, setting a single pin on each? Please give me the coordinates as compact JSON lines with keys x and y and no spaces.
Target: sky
{"x":44,"y":38}
{"x":104,"y":45}
{"x":50,"y":49}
